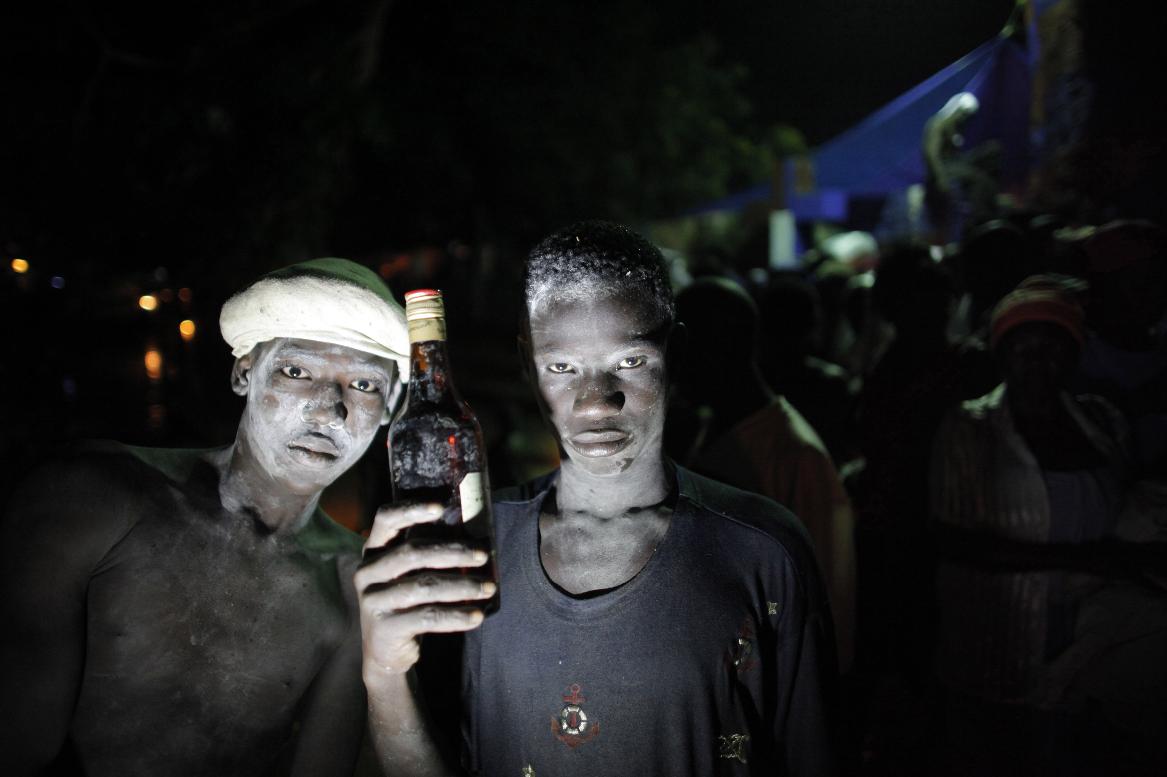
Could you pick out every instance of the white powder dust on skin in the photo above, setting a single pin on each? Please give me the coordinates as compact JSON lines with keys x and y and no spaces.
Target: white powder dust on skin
{"x":603,"y":383}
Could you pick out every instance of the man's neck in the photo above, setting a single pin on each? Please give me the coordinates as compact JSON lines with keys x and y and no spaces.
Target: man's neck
{"x":647,"y":482}
{"x":246,"y":490}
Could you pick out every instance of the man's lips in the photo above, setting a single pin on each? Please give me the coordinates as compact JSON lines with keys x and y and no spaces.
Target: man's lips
{"x":598,"y":435}
{"x":600,"y":442}
{"x":316,"y":444}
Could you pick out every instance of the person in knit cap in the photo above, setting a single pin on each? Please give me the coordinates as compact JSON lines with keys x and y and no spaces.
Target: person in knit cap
{"x":1026,"y":482}
{"x":187,"y":612}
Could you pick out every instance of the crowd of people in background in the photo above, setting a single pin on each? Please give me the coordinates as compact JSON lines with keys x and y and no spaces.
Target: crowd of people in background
{"x":974,"y":438}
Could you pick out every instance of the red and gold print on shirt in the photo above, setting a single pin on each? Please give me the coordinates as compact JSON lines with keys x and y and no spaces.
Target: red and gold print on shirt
{"x":573,"y":726}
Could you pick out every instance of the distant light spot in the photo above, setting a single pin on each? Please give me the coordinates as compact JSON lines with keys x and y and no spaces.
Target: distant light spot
{"x":153,"y":364}
{"x":19,"y":266}
{"x":148,"y":302}
{"x":57,"y":282}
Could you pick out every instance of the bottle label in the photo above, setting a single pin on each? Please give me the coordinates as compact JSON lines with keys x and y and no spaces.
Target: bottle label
{"x":425,"y":329}
{"x":472,"y":492}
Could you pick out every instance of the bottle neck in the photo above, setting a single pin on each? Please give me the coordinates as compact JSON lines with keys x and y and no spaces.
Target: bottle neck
{"x":429,"y":372}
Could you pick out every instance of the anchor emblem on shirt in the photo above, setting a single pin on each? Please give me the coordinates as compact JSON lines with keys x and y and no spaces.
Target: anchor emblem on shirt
{"x":572,"y":726}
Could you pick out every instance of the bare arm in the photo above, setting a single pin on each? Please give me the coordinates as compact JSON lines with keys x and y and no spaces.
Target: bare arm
{"x":54,"y":533}
{"x":333,"y":720}
{"x":404,"y":594}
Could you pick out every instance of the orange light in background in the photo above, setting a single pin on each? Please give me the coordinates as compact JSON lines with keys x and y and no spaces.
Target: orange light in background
{"x":166,"y":295}
{"x":153,"y":362}
{"x":399,"y":263}
{"x":19,"y":266}
{"x":187,"y":329}
{"x":148,"y":302}
{"x":184,"y":294}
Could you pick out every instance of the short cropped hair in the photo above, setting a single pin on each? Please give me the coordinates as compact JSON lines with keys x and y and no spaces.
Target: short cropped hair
{"x":593,"y":258}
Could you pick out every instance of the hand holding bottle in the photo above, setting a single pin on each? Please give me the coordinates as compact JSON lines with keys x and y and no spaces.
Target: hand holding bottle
{"x":428,"y":563}
{"x":409,"y":587}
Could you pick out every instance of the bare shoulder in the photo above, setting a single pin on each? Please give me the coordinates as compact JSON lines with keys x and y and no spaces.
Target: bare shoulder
{"x":91,"y":493}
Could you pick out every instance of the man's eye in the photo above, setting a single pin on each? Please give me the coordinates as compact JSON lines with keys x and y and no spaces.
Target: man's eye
{"x":292,"y":371}
{"x":559,"y":367}
{"x":631,"y":362}
{"x":365,"y":386}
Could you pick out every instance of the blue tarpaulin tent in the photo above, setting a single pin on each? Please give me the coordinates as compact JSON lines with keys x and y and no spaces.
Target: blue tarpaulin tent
{"x":882,"y":153}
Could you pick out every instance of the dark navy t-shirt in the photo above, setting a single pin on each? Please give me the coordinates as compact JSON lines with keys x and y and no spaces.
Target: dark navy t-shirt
{"x":716,"y":658}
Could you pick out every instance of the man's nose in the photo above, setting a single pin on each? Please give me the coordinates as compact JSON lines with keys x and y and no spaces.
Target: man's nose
{"x":326,"y":407}
{"x":598,"y":397}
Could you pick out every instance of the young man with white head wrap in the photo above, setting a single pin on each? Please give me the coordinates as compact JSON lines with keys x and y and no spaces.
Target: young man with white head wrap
{"x":188,"y":612}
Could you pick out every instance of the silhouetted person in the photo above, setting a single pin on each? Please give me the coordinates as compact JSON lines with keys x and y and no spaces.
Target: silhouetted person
{"x":1027,"y":481}
{"x":755,"y":439}
{"x":994,"y":257}
{"x":961,"y":184}
{"x":920,"y":377}
{"x":790,"y":314}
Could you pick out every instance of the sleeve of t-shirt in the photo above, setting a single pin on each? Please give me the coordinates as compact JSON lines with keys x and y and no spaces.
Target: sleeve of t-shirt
{"x":804,"y":669}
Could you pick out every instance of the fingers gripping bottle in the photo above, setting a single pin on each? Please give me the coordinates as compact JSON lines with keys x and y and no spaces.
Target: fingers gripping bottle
{"x":436,"y":451}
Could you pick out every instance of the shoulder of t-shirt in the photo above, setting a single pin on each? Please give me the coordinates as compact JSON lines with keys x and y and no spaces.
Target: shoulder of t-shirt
{"x":757,"y":515}
{"x":778,"y":427}
{"x":807,"y":437}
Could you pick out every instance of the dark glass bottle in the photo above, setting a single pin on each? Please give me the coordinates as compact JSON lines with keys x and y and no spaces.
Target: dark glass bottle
{"x":436,"y":451}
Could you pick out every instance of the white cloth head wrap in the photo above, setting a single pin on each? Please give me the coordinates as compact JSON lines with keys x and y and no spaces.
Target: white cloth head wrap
{"x":327,"y":300}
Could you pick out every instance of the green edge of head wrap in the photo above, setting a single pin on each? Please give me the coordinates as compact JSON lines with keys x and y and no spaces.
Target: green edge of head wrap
{"x":334,"y":268}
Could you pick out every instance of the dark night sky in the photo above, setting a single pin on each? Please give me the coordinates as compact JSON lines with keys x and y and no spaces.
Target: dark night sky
{"x":217,"y":141}
{"x":822,"y":66}
{"x":196,"y":119}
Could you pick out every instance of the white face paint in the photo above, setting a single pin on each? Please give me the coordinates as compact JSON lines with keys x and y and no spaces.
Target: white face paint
{"x":600,"y":365}
{"x":312,"y":410}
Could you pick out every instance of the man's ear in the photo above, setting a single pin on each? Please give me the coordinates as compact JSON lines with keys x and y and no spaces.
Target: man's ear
{"x":241,"y":373}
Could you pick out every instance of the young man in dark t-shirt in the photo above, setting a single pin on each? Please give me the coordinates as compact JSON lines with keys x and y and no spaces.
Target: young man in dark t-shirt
{"x":653,"y":622}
